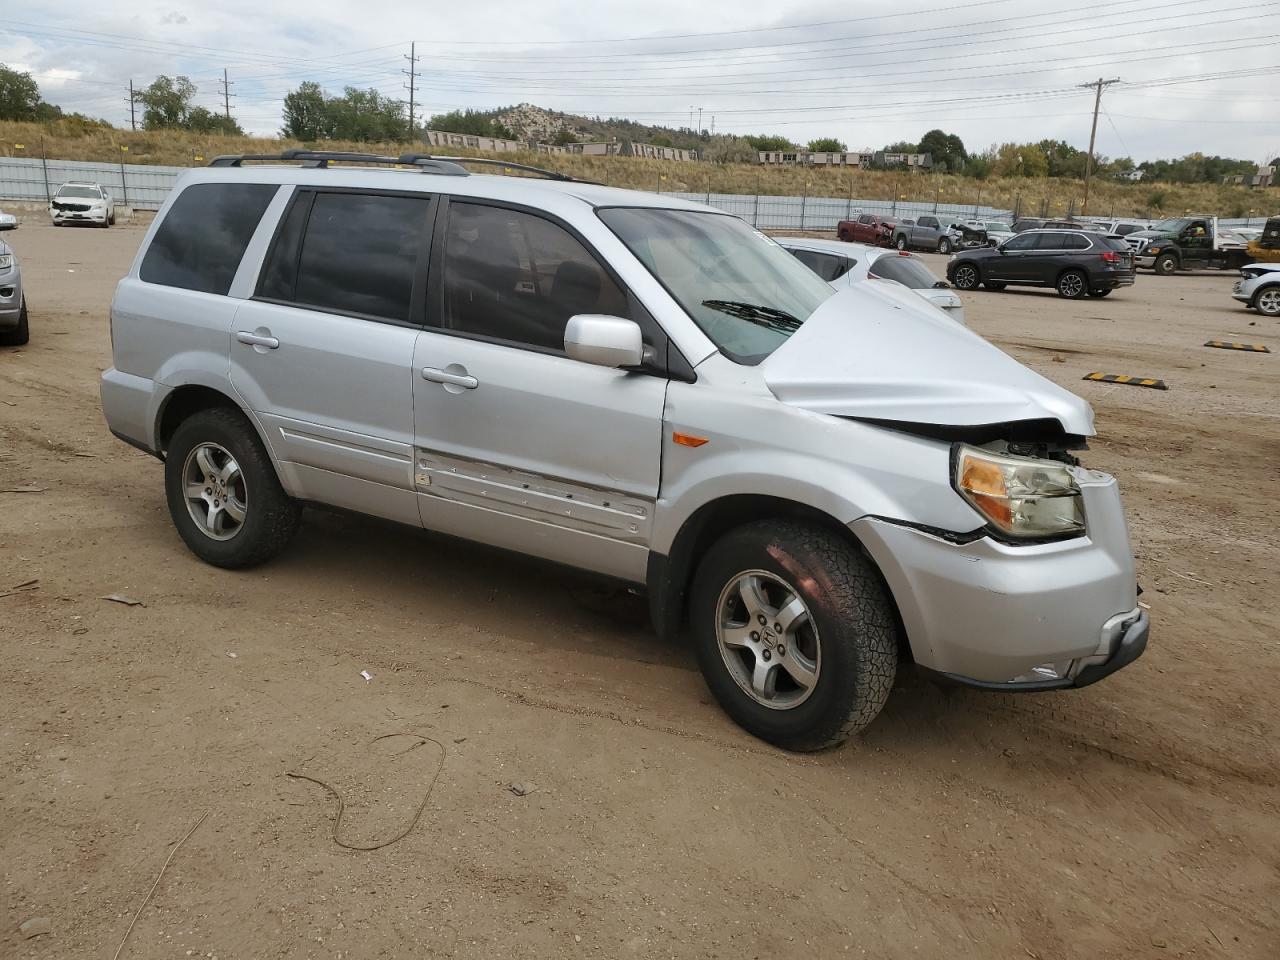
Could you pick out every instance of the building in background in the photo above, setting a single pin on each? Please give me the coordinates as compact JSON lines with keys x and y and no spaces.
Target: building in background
{"x":915,"y":162}
{"x":1260,"y":179}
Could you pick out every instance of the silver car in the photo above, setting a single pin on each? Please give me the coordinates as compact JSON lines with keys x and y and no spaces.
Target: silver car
{"x":13,"y":302}
{"x":841,"y":263}
{"x":815,"y":487}
{"x":1259,"y":287}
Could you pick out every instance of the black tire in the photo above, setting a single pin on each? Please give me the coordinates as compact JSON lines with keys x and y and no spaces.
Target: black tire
{"x":994,"y":285}
{"x":1100,"y":292}
{"x":20,"y":334}
{"x":966,"y":277}
{"x":944,"y":245}
{"x":1266,"y":303}
{"x":901,"y":243}
{"x":111,"y":220}
{"x":847,"y":606}
{"x":1166,"y":265}
{"x":1073,"y":284}
{"x":271,"y":516}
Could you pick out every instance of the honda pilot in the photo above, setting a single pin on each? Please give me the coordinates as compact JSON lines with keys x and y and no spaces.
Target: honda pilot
{"x":816,"y":487}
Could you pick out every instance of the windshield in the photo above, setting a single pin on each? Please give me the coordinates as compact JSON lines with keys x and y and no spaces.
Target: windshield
{"x":1173,"y":225}
{"x":908,"y":271}
{"x":743,"y":290}
{"x":996,"y":225}
{"x":84,"y":193}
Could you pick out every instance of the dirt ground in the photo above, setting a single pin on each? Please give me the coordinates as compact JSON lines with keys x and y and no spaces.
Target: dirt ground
{"x":1139,"y":817}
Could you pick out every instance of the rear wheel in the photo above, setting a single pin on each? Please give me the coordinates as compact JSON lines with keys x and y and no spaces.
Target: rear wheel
{"x":1073,"y":285}
{"x":995,"y":285}
{"x":966,"y":277}
{"x":1166,"y":264}
{"x":1267,"y":302}
{"x":1100,"y":292}
{"x":794,"y":633}
{"x":223,"y":492}
{"x":19,"y":334}
{"x":944,"y":245}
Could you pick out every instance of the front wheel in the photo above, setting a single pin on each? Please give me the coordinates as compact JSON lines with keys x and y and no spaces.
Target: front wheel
{"x":1267,"y":302}
{"x":794,"y":633}
{"x":944,"y":245}
{"x":1100,"y":292}
{"x":223,"y":492}
{"x":902,"y":243}
{"x":966,"y":277}
{"x":1073,"y":285}
{"x":1166,"y":265}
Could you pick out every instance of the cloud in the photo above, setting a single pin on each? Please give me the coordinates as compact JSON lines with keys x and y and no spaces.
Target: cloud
{"x":173,"y":17}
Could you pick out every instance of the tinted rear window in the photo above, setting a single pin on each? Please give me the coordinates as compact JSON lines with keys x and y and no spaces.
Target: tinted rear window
{"x":909,"y":271}
{"x":202,"y":239}
{"x":359,"y":254}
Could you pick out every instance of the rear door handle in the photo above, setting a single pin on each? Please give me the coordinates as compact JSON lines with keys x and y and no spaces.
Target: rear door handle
{"x":451,"y":379}
{"x":257,"y":339}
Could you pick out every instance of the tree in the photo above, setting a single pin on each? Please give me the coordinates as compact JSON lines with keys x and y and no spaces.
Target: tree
{"x":563,"y":137}
{"x":306,"y":115}
{"x":902,"y":147}
{"x":947,"y":150}
{"x":725,"y":148}
{"x":827,"y":145}
{"x":1020,"y":160}
{"x":768,"y":142}
{"x":204,"y":120}
{"x":166,"y":102}
{"x":20,"y":98}
{"x":477,"y":123}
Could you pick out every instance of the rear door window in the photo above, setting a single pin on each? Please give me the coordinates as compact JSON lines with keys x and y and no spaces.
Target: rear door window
{"x":358,"y":254}
{"x":203,"y":237}
{"x":1051,"y":241}
{"x":826,"y":265}
{"x":908,"y":271}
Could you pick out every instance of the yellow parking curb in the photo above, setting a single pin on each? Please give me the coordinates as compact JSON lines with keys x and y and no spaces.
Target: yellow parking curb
{"x":1228,"y":345}
{"x":1151,"y":382}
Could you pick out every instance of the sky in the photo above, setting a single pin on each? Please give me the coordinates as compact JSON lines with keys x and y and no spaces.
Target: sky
{"x":868,"y":73}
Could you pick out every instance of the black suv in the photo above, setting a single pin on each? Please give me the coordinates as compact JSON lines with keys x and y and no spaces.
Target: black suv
{"x":1072,"y":261}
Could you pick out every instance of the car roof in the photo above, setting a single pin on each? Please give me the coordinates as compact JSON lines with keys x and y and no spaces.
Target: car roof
{"x":531,"y":190}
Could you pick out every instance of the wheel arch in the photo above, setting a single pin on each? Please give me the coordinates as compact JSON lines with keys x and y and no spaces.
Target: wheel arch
{"x":1263,"y":288}
{"x":670,"y":575}
{"x":188,"y":399}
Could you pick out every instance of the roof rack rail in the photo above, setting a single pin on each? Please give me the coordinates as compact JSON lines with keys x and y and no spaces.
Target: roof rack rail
{"x":489,"y":162}
{"x":426,"y":162}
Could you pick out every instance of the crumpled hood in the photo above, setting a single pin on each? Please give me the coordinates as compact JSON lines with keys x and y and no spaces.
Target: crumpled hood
{"x":864,"y":354}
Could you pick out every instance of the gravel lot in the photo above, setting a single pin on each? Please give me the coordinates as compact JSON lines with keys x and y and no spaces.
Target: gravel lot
{"x":1139,"y":817}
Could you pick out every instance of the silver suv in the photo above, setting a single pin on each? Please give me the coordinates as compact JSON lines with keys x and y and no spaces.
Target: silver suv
{"x":815,"y":486}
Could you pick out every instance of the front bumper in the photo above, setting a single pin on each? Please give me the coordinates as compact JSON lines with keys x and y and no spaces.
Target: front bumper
{"x":78,"y":216}
{"x":1017,"y":617}
{"x":10,"y":298}
{"x":1144,"y":261}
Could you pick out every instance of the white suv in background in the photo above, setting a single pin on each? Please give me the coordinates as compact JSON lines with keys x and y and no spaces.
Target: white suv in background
{"x":82,"y":202}
{"x":813,"y":485}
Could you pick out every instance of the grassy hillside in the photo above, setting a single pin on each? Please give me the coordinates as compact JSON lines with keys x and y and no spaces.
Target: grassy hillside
{"x":68,"y":141}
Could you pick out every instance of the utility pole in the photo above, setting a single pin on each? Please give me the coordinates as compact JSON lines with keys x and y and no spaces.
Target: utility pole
{"x":412,"y":74}
{"x":133,"y":99}
{"x":1093,"y":135}
{"x":699,"y":119}
{"x":226,"y":94}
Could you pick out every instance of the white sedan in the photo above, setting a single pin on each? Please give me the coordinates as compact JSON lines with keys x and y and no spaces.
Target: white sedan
{"x":842,"y":264}
{"x":82,"y":203}
{"x":8,"y":221}
{"x":1259,"y":287}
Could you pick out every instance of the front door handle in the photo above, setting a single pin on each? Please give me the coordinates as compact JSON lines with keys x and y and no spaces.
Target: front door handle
{"x":463,"y":380}
{"x":257,"y":339}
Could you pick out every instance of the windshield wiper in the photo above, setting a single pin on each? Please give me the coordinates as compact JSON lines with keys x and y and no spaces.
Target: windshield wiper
{"x":756,"y":313}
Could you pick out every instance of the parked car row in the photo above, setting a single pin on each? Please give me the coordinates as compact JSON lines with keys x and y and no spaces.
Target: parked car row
{"x":926,"y":232}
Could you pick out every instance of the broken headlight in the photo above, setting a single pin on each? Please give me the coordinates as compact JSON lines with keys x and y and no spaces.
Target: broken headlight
{"x":1021,"y":497}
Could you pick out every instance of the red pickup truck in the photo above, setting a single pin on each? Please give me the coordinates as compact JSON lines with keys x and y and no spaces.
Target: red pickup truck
{"x":866,"y":228}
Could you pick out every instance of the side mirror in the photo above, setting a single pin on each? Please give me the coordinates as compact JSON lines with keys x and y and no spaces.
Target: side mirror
{"x":603,"y":340}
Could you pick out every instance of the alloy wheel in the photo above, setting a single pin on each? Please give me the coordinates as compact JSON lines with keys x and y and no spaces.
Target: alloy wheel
{"x":768,"y":640}
{"x":1071,"y":285}
{"x":966,"y":277}
{"x":214,"y":489}
{"x":1268,"y":302}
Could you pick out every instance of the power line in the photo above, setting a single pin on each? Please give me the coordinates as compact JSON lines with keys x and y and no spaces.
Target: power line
{"x":1098,"y":87}
{"x":226,"y":93}
{"x":412,"y":74}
